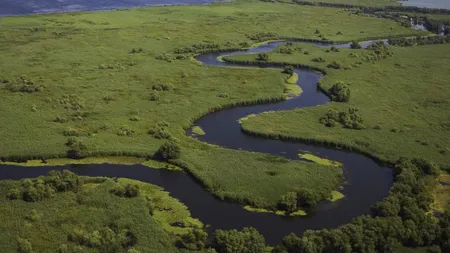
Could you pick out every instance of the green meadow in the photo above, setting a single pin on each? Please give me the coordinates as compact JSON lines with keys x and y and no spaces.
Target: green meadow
{"x":108,"y":79}
{"x":403,"y":101}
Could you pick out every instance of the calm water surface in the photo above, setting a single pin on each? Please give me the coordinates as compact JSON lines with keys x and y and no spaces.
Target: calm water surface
{"x":21,"y":7}
{"x":438,"y":4}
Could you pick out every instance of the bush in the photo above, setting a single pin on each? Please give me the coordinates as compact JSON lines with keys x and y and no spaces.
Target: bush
{"x":135,"y":118}
{"x":60,"y":119}
{"x":287,"y":50}
{"x":125,"y":131}
{"x":355,"y":45}
{"x":318,"y":59}
{"x":33,"y":216}
{"x":24,"y":246}
{"x":247,"y":240}
{"x":348,"y":119}
{"x":262,"y":57}
{"x":334,"y":65}
{"x":159,"y":131}
{"x":339,"y":92}
{"x":169,"y":150}
{"x":288,"y":70}
{"x":136,"y":50}
{"x":160,"y":87}
{"x":194,"y":240}
{"x":154,"y":96}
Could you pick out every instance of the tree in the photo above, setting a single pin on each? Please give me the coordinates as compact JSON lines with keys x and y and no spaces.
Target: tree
{"x":339,"y":92}
{"x":288,"y":202}
{"x":194,"y":240}
{"x":131,"y":190}
{"x":288,"y":70}
{"x":169,"y":150}
{"x":355,"y":45}
{"x":247,"y":240}
{"x":262,"y":57}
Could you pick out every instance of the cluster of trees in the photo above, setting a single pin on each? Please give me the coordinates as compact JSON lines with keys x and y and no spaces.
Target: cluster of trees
{"x":263,"y":36}
{"x":46,"y":186}
{"x":23,"y":84}
{"x":380,"y":50}
{"x":127,"y":191}
{"x":401,"y":219}
{"x":262,"y":57}
{"x":424,"y":40}
{"x":302,"y":199}
{"x":339,"y":92}
{"x":108,"y":239}
{"x":349,"y":118}
{"x":247,"y":240}
{"x":160,"y":131}
{"x":168,"y":150}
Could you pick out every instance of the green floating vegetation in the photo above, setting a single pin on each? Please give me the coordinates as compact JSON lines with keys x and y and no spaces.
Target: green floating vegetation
{"x":198,"y":130}
{"x":277,"y":212}
{"x":319,"y":160}
{"x":335,"y":196}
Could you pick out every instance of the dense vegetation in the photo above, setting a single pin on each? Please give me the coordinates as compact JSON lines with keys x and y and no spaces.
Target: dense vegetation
{"x":63,"y":212}
{"x":121,"y":83}
{"x":390,"y":98}
{"x":124,"y":83}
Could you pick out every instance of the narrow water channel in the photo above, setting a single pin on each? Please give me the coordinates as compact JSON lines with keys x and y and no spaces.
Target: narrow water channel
{"x":366,"y":181}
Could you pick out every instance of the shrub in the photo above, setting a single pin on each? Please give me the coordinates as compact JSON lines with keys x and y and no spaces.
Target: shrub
{"x":169,"y":150}
{"x":306,"y":52}
{"x":24,"y":246}
{"x":334,"y":49}
{"x":154,"y":96}
{"x":131,"y":190}
{"x":287,"y":50}
{"x":288,"y":70}
{"x":262,"y":36}
{"x":262,"y":57}
{"x":60,"y":119}
{"x":77,"y":148}
{"x":244,"y":44}
{"x":334,"y":65}
{"x":125,"y":131}
{"x":247,"y":240}
{"x":194,"y":240}
{"x":339,"y":92}
{"x":135,"y":118}
{"x":33,"y":216}
{"x":136,"y":50}
{"x":159,"y":132}
{"x":317,"y":31}
{"x":355,"y":45}
{"x":318,"y":59}
{"x":348,"y":119}
{"x":160,"y":87}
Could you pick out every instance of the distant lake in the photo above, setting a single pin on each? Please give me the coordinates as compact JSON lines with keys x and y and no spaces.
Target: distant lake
{"x":441,"y":4}
{"x":22,"y":7}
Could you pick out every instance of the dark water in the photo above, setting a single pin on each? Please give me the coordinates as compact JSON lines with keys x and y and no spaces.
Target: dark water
{"x":367,"y":182}
{"x":22,"y":7}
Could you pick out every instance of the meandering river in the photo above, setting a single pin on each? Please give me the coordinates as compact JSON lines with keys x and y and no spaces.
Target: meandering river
{"x":366,"y":181}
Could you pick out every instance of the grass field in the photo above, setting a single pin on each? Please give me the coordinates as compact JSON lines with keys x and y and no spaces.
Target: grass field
{"x":47,"y":223}
{"x":403,"y":101}
{"x":106,"y":78}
